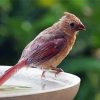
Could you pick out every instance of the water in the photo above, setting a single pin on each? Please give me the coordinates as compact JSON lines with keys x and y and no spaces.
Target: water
{"x":28,"y":81}
{"x":9,"y":88}
{"x":38,"y":86}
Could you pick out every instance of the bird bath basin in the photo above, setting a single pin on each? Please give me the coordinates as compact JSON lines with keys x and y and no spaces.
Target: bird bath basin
{"x":28,"y":85}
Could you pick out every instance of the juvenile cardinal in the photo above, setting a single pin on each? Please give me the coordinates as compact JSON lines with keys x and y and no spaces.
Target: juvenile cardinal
{"x":50,"y":47}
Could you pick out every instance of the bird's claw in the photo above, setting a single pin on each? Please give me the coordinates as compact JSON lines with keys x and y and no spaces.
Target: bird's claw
{"x":57,"y":71}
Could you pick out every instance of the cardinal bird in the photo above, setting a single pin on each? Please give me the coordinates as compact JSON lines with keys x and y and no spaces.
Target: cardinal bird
{"x":50,"y":47}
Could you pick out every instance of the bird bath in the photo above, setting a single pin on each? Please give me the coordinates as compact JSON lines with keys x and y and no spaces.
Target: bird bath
{"x":28,"y":85}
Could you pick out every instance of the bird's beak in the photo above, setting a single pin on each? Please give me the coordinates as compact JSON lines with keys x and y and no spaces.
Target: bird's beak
{"x":81,"y":27}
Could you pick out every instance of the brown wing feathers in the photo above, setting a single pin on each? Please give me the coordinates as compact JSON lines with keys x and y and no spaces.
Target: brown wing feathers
{"x":46,"y":51}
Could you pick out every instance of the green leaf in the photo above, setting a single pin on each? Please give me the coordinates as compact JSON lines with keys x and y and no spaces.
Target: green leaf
{"x":81,"y":64}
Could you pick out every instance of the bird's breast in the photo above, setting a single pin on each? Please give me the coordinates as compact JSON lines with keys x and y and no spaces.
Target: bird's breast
{"x":65,"y":51}
{"x":56,"y":60}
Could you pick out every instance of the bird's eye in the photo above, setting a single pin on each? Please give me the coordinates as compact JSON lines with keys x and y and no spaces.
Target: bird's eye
{"x":72,"y":24}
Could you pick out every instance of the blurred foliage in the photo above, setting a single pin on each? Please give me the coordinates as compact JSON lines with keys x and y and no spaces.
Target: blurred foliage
{"x":22,"y":20}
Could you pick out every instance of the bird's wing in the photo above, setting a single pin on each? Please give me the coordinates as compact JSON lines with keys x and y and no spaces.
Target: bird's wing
{"x":46,"y":51}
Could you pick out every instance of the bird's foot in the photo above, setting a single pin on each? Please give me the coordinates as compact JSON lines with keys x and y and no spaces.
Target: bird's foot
{"x":57,"y":71}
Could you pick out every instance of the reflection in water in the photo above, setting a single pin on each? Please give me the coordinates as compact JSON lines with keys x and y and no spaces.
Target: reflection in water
{"x":38,"y":86}
{"x":13,"y":88}
{"x":44,"y":85}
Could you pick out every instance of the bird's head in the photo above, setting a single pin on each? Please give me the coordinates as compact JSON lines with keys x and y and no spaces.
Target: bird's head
{"x":70,"y":23}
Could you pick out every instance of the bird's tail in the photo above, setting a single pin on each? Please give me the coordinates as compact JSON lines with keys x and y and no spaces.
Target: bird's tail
{"x":12,"y":71}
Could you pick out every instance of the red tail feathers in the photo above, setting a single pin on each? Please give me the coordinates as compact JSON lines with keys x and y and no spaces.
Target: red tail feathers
{"x":11,"y":71}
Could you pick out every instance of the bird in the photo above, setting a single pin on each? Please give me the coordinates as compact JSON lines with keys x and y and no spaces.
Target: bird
{"x":48,"y":49}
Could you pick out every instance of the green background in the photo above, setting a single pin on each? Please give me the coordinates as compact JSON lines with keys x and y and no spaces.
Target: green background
{"x":22,"y":20}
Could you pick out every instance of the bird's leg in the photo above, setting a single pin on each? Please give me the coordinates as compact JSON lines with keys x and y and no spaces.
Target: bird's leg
{"x":43,"y":74}
{"x":56,"y":70}
{"x":43,"y":77}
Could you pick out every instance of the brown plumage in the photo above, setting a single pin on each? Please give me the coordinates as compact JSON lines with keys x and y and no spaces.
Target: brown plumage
{"x":50,"y":47}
